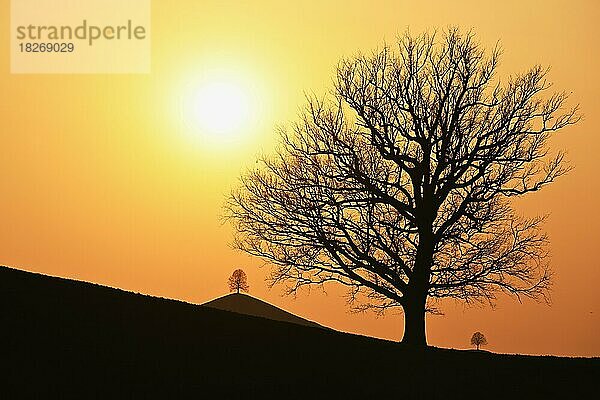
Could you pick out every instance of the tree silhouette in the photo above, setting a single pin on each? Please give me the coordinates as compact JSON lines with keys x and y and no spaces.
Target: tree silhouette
{"x":399,"y":186}
{"x":478,"y":339}
{"x":238,"y":281}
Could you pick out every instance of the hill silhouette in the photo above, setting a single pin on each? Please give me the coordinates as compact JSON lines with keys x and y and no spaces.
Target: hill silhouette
{"x":63,"y":338}
{"x":245,"y":304}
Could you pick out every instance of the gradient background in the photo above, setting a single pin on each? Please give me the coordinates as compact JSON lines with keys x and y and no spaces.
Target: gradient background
{"x":102,"y":179}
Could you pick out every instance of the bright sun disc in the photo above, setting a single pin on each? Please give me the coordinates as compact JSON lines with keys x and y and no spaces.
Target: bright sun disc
{"x":220,"y":109}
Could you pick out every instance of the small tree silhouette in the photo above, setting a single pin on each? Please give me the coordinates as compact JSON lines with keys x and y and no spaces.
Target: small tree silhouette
{"x":478,"y":339}
{"x":238,"y":281}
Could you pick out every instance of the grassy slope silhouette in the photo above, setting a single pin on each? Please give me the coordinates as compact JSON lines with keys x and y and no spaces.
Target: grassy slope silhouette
{"x":245,"y":304}
{"x":62,"y":338}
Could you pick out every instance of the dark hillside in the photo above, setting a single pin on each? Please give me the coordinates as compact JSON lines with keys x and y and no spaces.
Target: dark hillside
{"x":62,"y":338}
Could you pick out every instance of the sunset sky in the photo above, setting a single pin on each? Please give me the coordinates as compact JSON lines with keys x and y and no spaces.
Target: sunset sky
{"x":121,"y":179}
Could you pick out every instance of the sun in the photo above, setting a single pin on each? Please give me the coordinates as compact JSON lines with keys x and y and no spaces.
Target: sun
{"x":221,"y":108}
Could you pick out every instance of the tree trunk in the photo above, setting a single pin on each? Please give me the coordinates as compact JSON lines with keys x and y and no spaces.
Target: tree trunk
{"x":416,"y":295}
{"x":414,"y":323}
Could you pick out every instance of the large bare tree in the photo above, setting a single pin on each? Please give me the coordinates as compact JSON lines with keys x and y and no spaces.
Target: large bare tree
{"x":398,"y":185}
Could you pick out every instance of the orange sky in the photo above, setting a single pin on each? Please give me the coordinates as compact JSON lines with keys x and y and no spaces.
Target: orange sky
{"x":102,"y":179}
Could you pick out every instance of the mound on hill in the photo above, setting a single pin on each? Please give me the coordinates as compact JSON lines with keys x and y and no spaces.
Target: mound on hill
{"x":244,"y":304}
{"x":65,"y":339}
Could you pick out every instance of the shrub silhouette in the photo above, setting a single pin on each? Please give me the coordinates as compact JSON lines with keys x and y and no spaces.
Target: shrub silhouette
{"x":478,"y":339}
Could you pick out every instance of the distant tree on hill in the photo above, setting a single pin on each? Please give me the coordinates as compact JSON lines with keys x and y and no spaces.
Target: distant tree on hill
{"x":238,"y":281}
{"x":478,"y":339}
{"x":398,"y":187}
